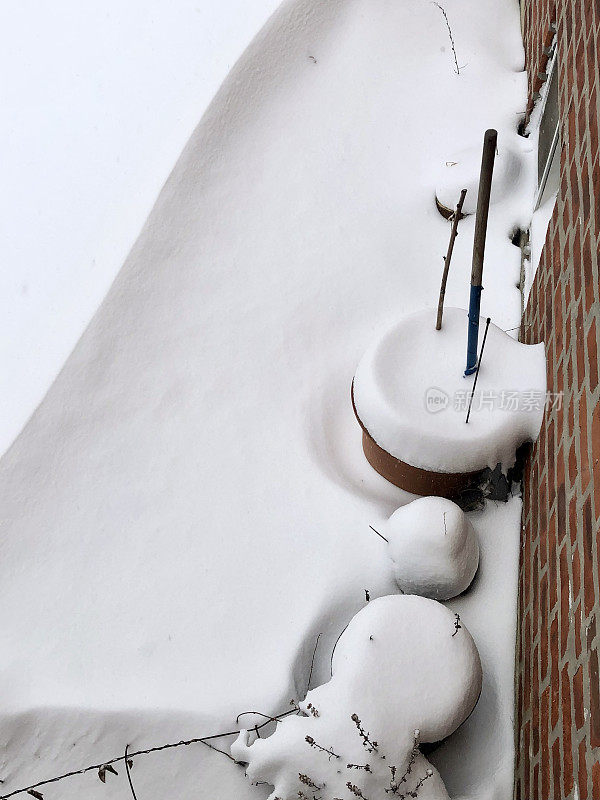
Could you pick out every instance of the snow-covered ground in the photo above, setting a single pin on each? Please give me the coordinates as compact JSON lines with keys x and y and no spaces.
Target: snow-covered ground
{"x":189,"y":506}
{"x":97,"y":101}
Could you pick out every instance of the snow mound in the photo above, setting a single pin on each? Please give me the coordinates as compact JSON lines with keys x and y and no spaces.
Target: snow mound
{"x":405,"y":671}
{"x":462,"y":172}
{"x":434,"y":548}
{"x":410,"y":393}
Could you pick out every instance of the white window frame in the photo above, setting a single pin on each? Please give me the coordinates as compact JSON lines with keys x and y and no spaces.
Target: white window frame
{"x":554,"y":151}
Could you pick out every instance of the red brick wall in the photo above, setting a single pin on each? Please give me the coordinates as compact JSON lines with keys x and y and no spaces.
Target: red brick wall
{"x":558,"y":684}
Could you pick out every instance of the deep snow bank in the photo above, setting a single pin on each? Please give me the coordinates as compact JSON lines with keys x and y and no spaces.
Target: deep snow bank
{"x":188,"y":507}
{"x":98,"y":100}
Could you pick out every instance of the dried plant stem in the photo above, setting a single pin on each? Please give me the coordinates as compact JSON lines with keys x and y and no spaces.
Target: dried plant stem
{"x":487,"y":325}
{"x":447,"y":259}
{"x":443,"y":10}
{"x":370,"y":746}
{"x":312,"y":662}
{"x":328,"y":751}
{"x":381,"y":536}
{"x":183,"y":743}
{"x":129,"y":773}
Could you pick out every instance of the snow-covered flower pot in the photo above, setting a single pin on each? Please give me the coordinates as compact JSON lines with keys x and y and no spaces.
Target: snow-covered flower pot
{"x":405,"y":673}
{"x":433,"y":547}
{"x":410,"y":397}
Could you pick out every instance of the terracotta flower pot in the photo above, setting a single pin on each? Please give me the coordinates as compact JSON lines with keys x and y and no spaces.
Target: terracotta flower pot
{"x":414,"y":479}
{"x":410,"y":397}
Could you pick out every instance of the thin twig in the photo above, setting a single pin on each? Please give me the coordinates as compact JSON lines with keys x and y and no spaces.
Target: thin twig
{"x":182,"y":743}
{"x":223,"y":752}
{"x":457,"y":70}
{"x":487,"y":325}
{"x":456,"y":216}
{"x":328,"y":751}
{"x":379,"y":534}
{"x":332,"y":654}
{"x":457,"y":625}
{"x":268,"y":717}
{"x":129,"y":773}
{"x":312,"y":662}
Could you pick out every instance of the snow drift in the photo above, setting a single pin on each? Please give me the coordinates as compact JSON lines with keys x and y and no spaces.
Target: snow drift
{"x":188,"y":508}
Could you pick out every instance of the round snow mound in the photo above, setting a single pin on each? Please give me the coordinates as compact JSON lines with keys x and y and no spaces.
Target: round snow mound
{"x":406,"y":671}
{"x":462,"y":172}
{"x":434,"y":548}
{"x":411,"y":395}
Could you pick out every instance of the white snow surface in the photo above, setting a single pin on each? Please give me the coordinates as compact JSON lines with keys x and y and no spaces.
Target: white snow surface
{"x":402,"y":674}
{"x":540,"y":223}
{"x":402,"y":369}
{"x":433,"y":547}
{"x":98,"y":99}
{"x":462,"y":170}
{"x":189,"y":506}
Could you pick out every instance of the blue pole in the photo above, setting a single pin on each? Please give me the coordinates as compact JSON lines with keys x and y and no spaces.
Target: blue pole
{"x":473,"y":332}
{"x":481,"y":219}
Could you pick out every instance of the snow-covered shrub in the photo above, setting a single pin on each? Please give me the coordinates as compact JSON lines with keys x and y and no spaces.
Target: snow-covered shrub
{"x":434,"y":548}
{"x":403,"y":673}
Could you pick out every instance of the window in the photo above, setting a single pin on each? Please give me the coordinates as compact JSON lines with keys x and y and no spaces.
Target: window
{"x":545,"y":127}
{"x":549,"y":139}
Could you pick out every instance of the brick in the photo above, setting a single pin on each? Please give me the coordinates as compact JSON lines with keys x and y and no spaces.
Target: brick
{"x":564,"y":600}
{"x":544,"y":637}
{"x":589,"y":594}
{"x":535,"y":705}
{"x":572,"y":462}
{"x":526,"y":672}
{"x":580,"y":344}
{"x":577,"y":630}
{"x":582,"y":777}
{"x":552,"y":565}
{"x":596,"y":779}
{"x":583,"y":461}
{"x":588,"y":257}
{"x":567,"y":762}
{"x":592,"y":357}
{"x":573,"y":520}
{"x":544,"y":744}
{"x":595,"y":438}
{"x":594,"y":676}
{"x":585,"y":182}
{"x":556,"y":762}
{"x":577,"y":692}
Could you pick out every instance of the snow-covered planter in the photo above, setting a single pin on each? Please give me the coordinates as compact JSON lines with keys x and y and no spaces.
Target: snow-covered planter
{"x":410,"y":397}
{"x":433,"y":547}
{"x":461,"y":171}
{"x":404,"y":672}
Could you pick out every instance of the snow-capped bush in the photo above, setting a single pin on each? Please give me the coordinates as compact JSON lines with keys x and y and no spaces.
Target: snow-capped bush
{"x":434,"y":548}
{"x":403,"y":673}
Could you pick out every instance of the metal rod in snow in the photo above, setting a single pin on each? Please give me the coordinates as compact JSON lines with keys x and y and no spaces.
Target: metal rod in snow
{"x":487,"y":325}
{"x":481,"y":220}
{"x":453,"y":234}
